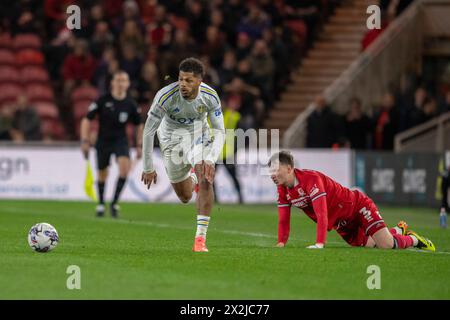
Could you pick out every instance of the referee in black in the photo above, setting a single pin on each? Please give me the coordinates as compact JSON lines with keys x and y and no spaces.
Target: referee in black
{"x":114,"y":111}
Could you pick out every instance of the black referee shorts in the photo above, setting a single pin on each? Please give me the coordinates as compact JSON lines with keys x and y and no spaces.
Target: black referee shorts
{"x":106,"y":148}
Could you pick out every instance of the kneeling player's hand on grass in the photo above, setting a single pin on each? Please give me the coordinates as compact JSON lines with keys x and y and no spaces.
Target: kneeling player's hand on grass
{"x":209,"y":171}
{"x":316,"y":246}
{"x":280,"y":244}
{"x":148,"y":178}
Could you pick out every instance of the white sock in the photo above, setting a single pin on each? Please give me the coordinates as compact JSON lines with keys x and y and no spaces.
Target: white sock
{"x":398,"y":230}
{"x":202,"y":225}
{"x":415,"y":241}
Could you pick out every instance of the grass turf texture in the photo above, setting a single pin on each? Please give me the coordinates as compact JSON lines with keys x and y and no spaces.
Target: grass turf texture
{"x":146,"y":254}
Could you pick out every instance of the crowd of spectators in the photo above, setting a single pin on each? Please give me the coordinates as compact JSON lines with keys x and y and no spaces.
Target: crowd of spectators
{"x":248,"y":47}
{"x":412,"y":104}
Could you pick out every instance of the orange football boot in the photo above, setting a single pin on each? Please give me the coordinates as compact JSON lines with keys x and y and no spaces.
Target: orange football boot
{"x":200,"y":245}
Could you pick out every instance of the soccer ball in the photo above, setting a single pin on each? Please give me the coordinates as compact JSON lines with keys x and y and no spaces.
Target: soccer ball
{"x":42,"y":237}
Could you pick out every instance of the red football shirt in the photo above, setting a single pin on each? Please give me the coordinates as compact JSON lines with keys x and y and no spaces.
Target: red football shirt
{"x":322,"y":199}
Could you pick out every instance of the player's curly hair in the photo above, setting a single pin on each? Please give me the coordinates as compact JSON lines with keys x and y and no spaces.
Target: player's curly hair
{"x":192,"y":65}
{"x":283,"y":157}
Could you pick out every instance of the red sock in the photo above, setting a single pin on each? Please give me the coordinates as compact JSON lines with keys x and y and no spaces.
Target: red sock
{"x":402,"y":242}
{"x":393,"y":231}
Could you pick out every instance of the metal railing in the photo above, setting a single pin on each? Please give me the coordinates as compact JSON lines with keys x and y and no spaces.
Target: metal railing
{"x":433,"y":135}
{"x":371,"y":74}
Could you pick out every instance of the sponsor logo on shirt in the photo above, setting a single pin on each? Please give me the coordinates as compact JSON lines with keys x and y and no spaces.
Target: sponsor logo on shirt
{"x":109,"y":104}
{"x":300,"y":203}
{"x":182,"y":120}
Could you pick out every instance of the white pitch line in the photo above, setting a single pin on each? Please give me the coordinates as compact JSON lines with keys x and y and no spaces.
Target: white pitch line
{"x":243,"y":233}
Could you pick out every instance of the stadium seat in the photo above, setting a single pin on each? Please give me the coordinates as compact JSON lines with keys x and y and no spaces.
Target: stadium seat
{"x":7,"y":57}
{"x":6,"y":41}
{"x":27,"y":41}
{"x":9,"y":74}
{"x":53,"y":129}
{"x":84,"y":93}
{"x":47,"y":110}
{"x":9,"y":92}
{"x":34,"y":74}
{"x":29,"y":57}
{"x":80,"y":109}
{"x":39,"y":93}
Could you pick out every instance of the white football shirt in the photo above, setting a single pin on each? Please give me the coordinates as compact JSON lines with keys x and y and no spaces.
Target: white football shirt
{"x":173,"y":117}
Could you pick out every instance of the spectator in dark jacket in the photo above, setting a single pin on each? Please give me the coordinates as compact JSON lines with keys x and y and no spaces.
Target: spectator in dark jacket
{"x":386,"y":124}
{"x":357,"y":125}
{"x":415,"y":112}
{"x":26,"y":123}
{"x":255,"y":22}
{"x":444,"y":106}
{"x":323,"y":126}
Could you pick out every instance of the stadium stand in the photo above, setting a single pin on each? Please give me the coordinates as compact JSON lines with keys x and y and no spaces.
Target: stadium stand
{"x":393,"y":97}
{"x":270,"y":60}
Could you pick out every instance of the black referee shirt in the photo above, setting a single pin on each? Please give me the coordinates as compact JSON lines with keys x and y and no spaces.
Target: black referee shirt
{"x":113,"y":116}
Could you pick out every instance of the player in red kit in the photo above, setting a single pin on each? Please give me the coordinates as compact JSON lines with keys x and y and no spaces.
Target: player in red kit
{"x":351,"y":213}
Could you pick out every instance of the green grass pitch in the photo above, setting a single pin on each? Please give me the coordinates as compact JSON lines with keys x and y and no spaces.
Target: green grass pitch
{"x":146,"y":254}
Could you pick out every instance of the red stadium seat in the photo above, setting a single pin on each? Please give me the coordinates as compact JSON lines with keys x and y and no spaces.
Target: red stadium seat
{"x":27,"y":41}
{"x":7,"y":57}
{"x":84,"y":93}
{"x":80,"y":109}
{"x":6,"y":40}
{"x":9,"y":74}
{"x":47,"y":110}
{"x":53,"y":128}
{"x":9,"y":92}
{"x":34,"y":74}
{"x":29,"y":57}
{"x":39,"y":93}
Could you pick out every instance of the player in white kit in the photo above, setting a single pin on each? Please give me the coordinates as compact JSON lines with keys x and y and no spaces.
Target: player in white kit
{"x":178,"y":115}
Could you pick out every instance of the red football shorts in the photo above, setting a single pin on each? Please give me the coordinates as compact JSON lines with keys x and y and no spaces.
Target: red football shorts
{"x":366,"y":222}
